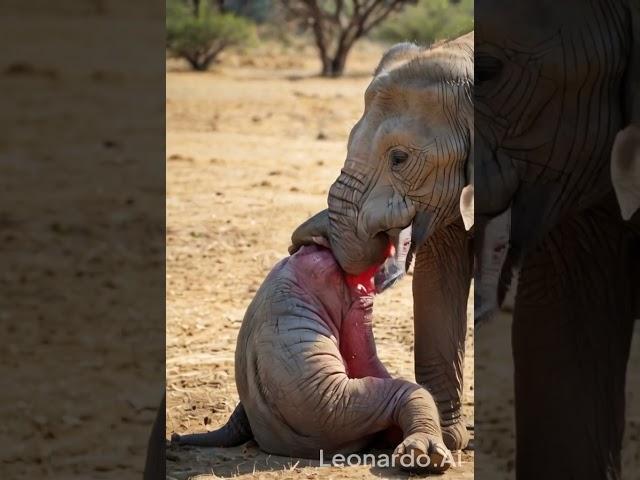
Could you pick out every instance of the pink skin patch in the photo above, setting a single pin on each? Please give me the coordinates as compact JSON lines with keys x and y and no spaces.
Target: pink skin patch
{"x":357,"y":343}
{"x":319,"y":270}
{"x":363,"y":283}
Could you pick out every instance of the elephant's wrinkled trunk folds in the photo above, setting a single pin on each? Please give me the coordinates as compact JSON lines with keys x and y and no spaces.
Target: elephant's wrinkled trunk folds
{"x":354,"y":249}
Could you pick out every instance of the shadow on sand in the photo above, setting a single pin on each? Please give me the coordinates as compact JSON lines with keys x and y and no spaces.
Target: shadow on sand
{"x":195,"y":462}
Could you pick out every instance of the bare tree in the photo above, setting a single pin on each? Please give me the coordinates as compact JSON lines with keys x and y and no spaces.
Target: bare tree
{"x":338,"y":24}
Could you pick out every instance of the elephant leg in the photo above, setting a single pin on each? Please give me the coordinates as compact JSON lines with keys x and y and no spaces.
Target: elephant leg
{"x":372,"y":404}
{"x":571,"y":337}
{"x":441,"y":280}
{"x":324,"y":410}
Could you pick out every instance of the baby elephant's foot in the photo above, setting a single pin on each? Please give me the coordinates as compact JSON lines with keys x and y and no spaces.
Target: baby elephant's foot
{"x":455,"y":436}
{"x":423,"y":453}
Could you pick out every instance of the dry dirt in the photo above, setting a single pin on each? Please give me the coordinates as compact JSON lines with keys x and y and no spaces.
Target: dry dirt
{"x":252,"y":148}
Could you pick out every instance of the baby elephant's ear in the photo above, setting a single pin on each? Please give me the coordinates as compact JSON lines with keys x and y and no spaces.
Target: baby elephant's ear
{"x":625,"y":169}
{"x":466,"y":206}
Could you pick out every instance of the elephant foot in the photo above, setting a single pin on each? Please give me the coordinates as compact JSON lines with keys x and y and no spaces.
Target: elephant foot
{"x":455,"y":435}
{"x":423,"y":453}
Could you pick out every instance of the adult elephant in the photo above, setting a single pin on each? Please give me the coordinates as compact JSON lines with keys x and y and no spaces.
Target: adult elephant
{"x":554,"y":84}
{"x":408,"y":163}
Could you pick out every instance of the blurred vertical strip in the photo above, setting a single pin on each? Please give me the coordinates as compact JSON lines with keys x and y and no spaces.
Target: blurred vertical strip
{"x":557,"y":267}
{"x":82,"y":225}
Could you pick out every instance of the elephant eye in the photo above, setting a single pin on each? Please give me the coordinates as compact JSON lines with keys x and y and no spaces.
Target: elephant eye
{"x":487,"y":67}
{"x":398,"y":157}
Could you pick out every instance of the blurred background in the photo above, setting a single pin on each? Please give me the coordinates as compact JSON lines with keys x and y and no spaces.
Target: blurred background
{"x":201,"y":32}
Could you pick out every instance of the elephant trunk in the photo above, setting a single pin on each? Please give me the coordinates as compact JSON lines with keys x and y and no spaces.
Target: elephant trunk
{"x":493,"y":266}
{"x":355,"y":248}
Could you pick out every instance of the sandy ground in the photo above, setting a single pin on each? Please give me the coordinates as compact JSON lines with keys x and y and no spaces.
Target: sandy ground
{"x":252,"y":148}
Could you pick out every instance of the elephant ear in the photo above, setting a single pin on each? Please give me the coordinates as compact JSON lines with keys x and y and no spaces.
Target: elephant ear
{"x":467,"y":195}
{"x":466,"y":206}
{"x":625,"y":169}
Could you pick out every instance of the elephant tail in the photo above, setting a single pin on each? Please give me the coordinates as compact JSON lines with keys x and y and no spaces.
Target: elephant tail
{"x":235,"y":432}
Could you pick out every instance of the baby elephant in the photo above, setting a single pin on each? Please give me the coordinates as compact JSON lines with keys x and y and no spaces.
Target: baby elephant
{"x":309,"y":377}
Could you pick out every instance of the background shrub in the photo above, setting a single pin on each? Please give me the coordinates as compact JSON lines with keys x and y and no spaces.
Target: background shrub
{"x":200,"y":35}
{"x":428,"y":21}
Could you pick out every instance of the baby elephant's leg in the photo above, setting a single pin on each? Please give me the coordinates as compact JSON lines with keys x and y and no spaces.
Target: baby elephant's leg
{"x":374,"y":404}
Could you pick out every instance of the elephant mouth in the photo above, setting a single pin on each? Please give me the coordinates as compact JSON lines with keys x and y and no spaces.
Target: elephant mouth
{"x":410,"y":236}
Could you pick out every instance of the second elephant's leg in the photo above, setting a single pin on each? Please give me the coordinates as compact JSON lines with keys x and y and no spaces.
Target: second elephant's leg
{"x":441,"y":280}
{"x":571,"y":337}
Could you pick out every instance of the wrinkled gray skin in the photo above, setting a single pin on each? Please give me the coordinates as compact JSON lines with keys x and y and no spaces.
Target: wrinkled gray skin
{"x":308,"y":375}
{"x":407,"y":163}
{"x":553,"y":87}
